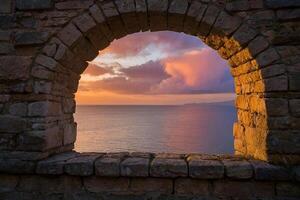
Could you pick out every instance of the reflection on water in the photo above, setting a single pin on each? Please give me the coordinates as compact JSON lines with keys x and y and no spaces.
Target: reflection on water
{"x":181,"y":129}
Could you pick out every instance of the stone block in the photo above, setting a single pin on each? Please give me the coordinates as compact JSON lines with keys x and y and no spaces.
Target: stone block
{"x":294,"y":81}
{"x":44,"y":108}
{"x":148,"y":185}
{"x":34,"y":4}
{"x":207,"y":21}
{"x":135,"y":167}
{"x":284,"y":189}
{"x":6,"y":48}
{"x":42,"y":87}
{"x":288,"y":14}
{"x":164,"y":167}
{"x":18,"y":109}
{"x":157,"y":5}
{"x":277,"y":106}
{"x":243,"y":190}
{"x":277,"y":83}
{"x":281,"y":3}
{"x":31,"y":38}
{"x":294,"y":105}
{"x":84,"y":22}
{"x":108,"y":185}
{"x":16,"y":166}
{"x":82,"y":165}
{"x":267,"y":57}
{"x":107,"y":166}
{"x":54,"y":165}
{"x":269,"y":172}
{"x":206,"y":169}
{"x":73,"y":4}
{"x":5,"y":6}
{"x":69,"y":35}
{"x":47,"y":62}
{"x":40,"y":140}
{"x":191,"y":187}
{"x":69,"y":105}
{"x":8,"y":183}
{"x":238,"y":169}
{"x":241,"y":5}
{"x":258,"y":45}
{"x":14,"y":67}
{"x":109,"y":9}
{"x":12,"y":124}
{"x":70,"y":132}
{"x":97,"y":14}
{"x":226,"y":23}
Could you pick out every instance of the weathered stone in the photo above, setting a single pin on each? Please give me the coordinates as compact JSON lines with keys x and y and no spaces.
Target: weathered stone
{"x":84,"y":22}
{"x":69,"y":105}
{"x":97,"y":14}
{"x":18,"y":109}
{"x":34,"y":4}
{"x":44,"y":108}
{"x":191,"y":187}
{"x":282,"y":3}
{"x":73,"y":4}
{"x":243,"y":190}
{"x":165,"y":167}
{"x":14,"y":67}
{"x":69,"y":35}
{"x":55,"y":164}
{"x":157,"y":5}
{"x":40,"y":140}
{"x":265,"y":171}
{"x":109,"y":185}
{"x":8,"y":183}
{"x":294,"y":105}
{"x":31,"y":38}
{"x":107,"y":166}
{"x":109,"y":9}
{"x":294,"y":81}
{"x":12,"y":124}
{"x":50,"y":50}
{"x":43,"y":87}
{"x":135,"y":167}
{"x":82,"y":165}
{"x":258,"y":45}
{"x":226,"y":23}
{"x":205,"y":169}
{"x":6,"y":48}
{"x":16,"y":166}
{"x":267,"y":57}
{"x":5,"y":6}
{"x":288,"y":189}
{"x":238,"y":169}
{"x":47,"y":62}
{"x":238,"y":5}
{"x":70,"y":131}
{"x":147,"y":185}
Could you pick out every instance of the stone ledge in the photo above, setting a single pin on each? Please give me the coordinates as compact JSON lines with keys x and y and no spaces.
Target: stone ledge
{"x":195,"y":166}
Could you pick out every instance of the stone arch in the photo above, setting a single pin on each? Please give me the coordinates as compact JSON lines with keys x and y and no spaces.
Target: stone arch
{"x":265,"y":128}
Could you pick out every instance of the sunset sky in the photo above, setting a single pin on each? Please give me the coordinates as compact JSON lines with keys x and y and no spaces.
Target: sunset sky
{"x":156,"y":68}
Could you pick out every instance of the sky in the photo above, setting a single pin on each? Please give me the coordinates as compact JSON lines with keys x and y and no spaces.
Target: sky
{"x":156,"y":68}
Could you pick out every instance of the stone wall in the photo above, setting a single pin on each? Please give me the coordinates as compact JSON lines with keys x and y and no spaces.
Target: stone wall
{"x":44,"y":46}
{"x":122,"y":176}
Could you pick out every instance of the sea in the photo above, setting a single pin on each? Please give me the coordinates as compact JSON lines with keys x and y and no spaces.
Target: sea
{"x":191,"y":128}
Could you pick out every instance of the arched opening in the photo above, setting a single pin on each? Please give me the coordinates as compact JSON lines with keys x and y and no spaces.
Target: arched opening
{"x":167,"y":93}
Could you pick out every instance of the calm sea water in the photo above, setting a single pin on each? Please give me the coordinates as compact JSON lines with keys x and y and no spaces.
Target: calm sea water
{"x":201,"y":128}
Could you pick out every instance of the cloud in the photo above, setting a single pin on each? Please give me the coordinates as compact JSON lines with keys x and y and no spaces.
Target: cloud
{"x":137,"y":79}
{"x":168,"y":42}
{"x":195,"y":72}
{"x":189,"y":68}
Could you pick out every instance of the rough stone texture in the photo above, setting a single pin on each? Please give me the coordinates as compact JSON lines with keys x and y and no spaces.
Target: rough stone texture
{"x":168,"y":168}
{"x":108,"y":166}
{"x":34,"y":4}
{"x":135,"y":167}
{"x":205,"y":169}
{"x":82,"y":165}
{"x":238,"y":169}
